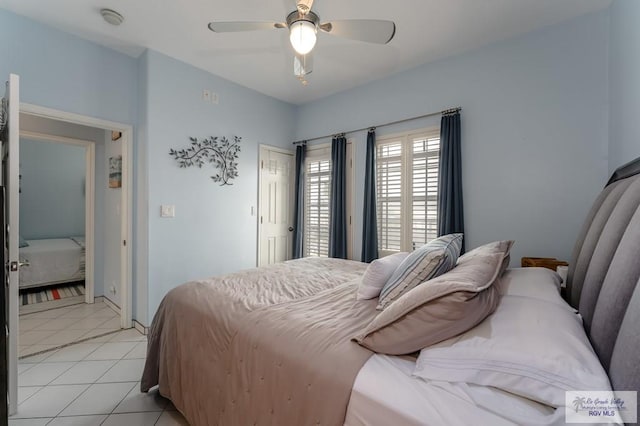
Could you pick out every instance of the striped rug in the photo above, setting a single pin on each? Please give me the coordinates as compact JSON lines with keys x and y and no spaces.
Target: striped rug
{"x":46,"y":294}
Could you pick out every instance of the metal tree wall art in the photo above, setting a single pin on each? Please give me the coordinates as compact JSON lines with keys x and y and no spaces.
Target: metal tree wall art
{"x":221,"y":153}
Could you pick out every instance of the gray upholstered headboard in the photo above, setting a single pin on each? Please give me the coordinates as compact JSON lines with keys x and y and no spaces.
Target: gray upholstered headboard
{"x":603,"y":277}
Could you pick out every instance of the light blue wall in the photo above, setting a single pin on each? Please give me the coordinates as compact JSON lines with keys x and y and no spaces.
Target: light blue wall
{"x":534,"y":130}
{"x":213,"y":231}
{"x":62,"y":71}
{"x":53,"y":190}
{"x":624,"y":83}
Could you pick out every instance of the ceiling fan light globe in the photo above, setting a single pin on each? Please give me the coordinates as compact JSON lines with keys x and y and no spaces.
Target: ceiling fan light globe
{"x":302,"y":35}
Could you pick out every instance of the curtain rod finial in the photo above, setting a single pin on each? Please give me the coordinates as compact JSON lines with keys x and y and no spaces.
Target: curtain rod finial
{"x":451,"y":111}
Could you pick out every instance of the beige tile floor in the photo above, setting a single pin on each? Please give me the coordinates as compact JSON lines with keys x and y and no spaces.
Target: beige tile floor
{"x":54,"y":328}
{"x":96,"y":382}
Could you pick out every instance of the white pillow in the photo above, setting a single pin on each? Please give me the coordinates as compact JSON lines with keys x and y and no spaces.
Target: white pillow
{"x":536,"y":283}
{"x":378,"y":273}
{"x":528,"y":347}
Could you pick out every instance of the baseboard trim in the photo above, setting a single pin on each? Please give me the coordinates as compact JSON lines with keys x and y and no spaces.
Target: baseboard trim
{"x":141,"y":328}
{"x":108,"y":302}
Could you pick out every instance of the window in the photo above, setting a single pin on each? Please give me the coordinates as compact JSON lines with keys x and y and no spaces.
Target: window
{"x":407,"y":190}
{"x":317,"y":206}
{"x":317,"y":200}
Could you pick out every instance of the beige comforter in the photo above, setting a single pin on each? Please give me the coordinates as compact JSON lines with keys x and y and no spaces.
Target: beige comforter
{"x":265,"y":346}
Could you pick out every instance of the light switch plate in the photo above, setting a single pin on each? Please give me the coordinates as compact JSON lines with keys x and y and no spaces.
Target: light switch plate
{"x":167,"y":210}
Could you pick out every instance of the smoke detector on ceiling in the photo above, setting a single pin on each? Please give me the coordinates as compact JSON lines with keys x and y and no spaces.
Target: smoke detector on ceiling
{"x":111,"y":16}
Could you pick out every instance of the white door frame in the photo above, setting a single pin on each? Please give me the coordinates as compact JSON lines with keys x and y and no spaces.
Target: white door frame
{"x":260,"y":165}
{"x":89,"y":202}
{"x":126,"y":274}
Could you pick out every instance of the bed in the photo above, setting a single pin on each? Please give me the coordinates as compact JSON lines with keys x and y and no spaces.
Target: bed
{"x":52,"y":261}
{"x":275,"y":345}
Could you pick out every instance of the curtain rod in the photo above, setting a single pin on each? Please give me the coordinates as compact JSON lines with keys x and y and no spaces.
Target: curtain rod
{"x":443,"y":112}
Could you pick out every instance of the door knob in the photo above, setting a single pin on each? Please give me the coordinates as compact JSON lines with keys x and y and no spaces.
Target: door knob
{"x":291,"y":229}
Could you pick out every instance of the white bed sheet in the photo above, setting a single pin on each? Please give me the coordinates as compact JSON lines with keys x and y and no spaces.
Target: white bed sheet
{"x":51,"y":261}
{"x":385,"y":393}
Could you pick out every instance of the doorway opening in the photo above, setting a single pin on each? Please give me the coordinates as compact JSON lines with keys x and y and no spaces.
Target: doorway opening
{"x":95,"y":298}
{"x":57,"y":194}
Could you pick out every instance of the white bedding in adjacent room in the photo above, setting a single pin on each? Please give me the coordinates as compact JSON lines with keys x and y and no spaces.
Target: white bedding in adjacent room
{"x":385,"y":393}
{"x":52,"y":261}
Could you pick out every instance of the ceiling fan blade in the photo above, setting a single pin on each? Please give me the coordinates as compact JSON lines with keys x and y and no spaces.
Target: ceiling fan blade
{"x":303,"y":66}
{"x":231,"y":27}
{"x":369,"y":30}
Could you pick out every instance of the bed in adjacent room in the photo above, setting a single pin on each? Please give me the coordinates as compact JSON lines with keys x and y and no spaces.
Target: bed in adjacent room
{"x":52,"y":261}
{"x":439,"y":339}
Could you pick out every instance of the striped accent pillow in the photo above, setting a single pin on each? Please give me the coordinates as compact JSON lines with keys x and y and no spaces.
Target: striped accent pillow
{"x":432,"y":259}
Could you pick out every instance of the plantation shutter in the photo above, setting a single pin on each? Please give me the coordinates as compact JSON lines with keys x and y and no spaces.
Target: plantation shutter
{"x":407,"y":191}
{"x":389,"y":197}
{"x":424,"y":182}
{"x":317,"y":204}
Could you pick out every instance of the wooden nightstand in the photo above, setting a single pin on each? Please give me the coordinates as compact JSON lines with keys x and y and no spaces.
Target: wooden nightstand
{"x":543,"y":262}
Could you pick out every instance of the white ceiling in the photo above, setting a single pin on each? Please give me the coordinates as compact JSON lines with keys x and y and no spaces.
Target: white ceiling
{"x":426,"y":30}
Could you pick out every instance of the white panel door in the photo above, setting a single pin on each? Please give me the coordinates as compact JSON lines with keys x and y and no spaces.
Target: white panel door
{"x":276,"y":206}
{"x":10,"y":169}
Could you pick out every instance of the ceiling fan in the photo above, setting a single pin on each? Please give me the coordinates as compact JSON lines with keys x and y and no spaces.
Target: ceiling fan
{"x":303,"y":25}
